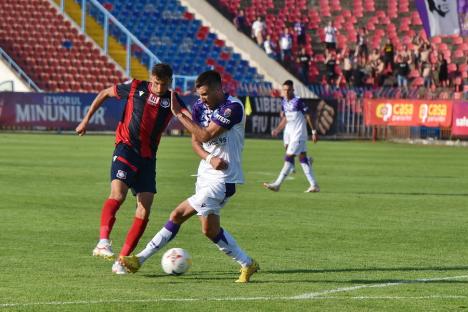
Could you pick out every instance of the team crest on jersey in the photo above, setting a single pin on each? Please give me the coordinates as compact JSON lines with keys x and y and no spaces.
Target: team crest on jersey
{"x":165,"y":103}
{"x":121,"y":174}
{"x":227,"y":112}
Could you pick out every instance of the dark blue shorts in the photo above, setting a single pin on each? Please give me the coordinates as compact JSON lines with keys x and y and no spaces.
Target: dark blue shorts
{"x":138,"y":173}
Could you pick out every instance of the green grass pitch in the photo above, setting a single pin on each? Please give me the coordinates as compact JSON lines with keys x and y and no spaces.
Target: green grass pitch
{"x":388,"y":231}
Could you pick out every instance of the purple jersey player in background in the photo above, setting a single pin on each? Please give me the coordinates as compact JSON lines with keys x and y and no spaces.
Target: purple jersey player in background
{"x":294,"y":114}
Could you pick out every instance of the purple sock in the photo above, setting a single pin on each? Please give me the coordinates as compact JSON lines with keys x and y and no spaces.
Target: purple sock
{"x":289,"y":159}
{"x":173,"y":228}
{"x":219,"y":237}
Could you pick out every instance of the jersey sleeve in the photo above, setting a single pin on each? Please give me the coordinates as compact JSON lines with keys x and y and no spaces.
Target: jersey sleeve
{"x":228,"y":115}
{"x":123,"y":90}
{"x":196,"y":113}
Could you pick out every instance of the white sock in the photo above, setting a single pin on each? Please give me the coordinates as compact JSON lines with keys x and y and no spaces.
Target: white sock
{"x":287,"y":168}
{"x":164,"y":236}
{"x":309,"y":173}
{"x":227,"y":244}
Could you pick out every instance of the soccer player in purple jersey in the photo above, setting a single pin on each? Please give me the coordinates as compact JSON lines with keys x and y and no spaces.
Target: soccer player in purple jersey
{"x":146,"y":115}
{"x":294,"y":115}
{"x":217,"y":126}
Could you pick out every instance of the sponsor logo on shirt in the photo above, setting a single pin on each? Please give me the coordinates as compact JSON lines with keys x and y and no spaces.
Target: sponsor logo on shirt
{"x":221,"y":118}
{"x":153,"y":100}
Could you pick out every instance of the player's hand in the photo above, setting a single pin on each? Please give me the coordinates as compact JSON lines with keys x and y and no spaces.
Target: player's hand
{"x":325,"y":115}
{"x":81,"y":128}
{"x":175,"y":106}
{"x":314,"y":137}
{"x":274,"y":133}
{"x":218,"y":163}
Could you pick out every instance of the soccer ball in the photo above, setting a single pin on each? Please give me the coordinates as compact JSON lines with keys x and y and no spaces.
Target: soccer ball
{"x":176,"y":261}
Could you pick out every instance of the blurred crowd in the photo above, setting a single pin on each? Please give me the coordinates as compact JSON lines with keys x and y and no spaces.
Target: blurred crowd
{"x":416,"y":64}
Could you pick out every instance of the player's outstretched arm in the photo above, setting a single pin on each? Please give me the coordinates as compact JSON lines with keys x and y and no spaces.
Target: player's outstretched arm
{"x":100,"y":98}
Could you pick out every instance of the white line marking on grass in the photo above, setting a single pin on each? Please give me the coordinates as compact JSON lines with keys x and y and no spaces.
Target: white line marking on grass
{"x":344,"y":289}
{"x":309,"y":296}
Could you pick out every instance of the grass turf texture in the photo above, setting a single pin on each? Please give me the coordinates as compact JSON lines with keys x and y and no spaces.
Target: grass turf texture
{"x":387,"y":213}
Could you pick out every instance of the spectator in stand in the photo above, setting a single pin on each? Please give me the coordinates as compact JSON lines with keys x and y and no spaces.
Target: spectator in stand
{"x":402,"y":71}
{"x":330,"y":37}
{"x":406,"y":54}
{"x":374,"y":56}
{"x":443,"y":71}
{"x":240,"y":22}
{"x":379,"y":74}
{"x":330,"y":63}
{"x":258,"y":30}
{"x":303,"y":59}
{"x":348,"y":61}
{"x":286,"y":46}
{"x":359,"y":75}
{"x":426,"y":73}
{"x":300,"y":32}
{"x":457,"y":79}
{"x":389,"y":54}
{"x":418,"y":43}
{"x":425,"y":52}
{"x":270,"y":48}
{"x":361,"y":44}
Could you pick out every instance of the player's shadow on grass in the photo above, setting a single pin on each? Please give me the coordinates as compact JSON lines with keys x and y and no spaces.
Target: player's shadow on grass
{"x":396,"y":269}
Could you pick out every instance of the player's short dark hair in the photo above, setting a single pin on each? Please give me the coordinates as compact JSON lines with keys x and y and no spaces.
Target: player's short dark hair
{"x":288,"y":83}
{"x":210,"y":78}
{"x":162,"y":71}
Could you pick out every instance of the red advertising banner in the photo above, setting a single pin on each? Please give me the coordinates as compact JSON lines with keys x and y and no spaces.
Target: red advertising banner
{"x":403,"y":112}
{"x":460,"y":119}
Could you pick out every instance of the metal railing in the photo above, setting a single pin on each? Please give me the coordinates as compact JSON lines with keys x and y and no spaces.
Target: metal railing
{"x":18,"y":69}
{"x":131,"y":42}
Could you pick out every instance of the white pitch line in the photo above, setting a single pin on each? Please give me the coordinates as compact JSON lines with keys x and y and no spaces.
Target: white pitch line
{"x":309,"y":296}
{"x":344,"y":289}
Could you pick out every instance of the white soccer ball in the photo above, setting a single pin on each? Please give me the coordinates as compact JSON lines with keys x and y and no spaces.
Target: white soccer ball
{"x":176,"y":261}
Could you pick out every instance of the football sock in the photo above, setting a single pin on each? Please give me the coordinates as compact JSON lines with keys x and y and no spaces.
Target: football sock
{"x":109,"y":209}
{"x":227,"y":244}
{"x":287,"y":168}
{"x":308,"y":171}
{"x":164,"y":236}
{"x":133,"y":236}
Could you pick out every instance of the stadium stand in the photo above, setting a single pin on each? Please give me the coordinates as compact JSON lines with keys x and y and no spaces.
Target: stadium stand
{"x":176,"y":37}
{"x":397,"y":20}
{"x":51,"y":50}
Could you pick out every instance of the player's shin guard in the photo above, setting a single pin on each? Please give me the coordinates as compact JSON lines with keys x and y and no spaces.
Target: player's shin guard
{"x":164,"y":236}
{"x":227,"y":244}
{"x":133,"y":236}
{"x":308,"y":171}
{"x":109,"y":210}
{"x":287,"y":168}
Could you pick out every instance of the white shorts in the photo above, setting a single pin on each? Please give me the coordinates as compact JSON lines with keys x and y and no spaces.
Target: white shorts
{"x":210,"y":197}
{"x":296,"y":147}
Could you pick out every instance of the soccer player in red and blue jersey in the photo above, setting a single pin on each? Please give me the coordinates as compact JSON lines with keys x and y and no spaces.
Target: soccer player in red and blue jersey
{"x":146,"y":115}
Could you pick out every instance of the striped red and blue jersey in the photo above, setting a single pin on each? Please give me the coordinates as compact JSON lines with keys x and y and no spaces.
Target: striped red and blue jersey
{"x":145,"y":117}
